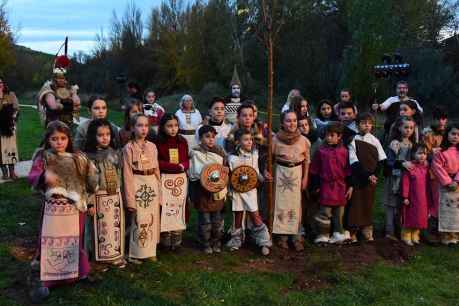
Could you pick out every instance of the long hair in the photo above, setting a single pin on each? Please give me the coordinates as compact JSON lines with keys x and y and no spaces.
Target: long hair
{"x":417,"y":115}
{"x":162,"y":136}
{"x":93,"y":99}
{"x":445,"y":143}
{"x":57,"y":126}
{"x":333,"y":116}
{"x":296,"y":105}
{"x":91,"y":136}
{"x":127,"y":110}
{"x":396,"y":134}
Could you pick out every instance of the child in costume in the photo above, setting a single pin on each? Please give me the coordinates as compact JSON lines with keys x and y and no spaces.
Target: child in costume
{"x":217,"y":119}
{"x":208,"y":204}
{"x":142,"y":192}
{"x":330,"y":174}
{"x":445,"y":167}
{"x":131,"y":108}
{"x":65,"y":178}
{"x":366,"y":157}
{"x":291,"y":154}
{"x":106,"y":206}
{"x":9,"y":111}
{"x":173,"y":163}
{"x":324,"y":115}
{"x":398,"y":155}
{"x":189,"y":120}
{"x":152,"y":110}
{"x":246,"y":203}
{"x":416,"y":196}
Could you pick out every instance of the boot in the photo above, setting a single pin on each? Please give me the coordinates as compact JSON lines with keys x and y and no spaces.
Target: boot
{"x":406,"y":236}
{"x":235,"y":242}
{"x":13,"y":175}
{"x":260,"y":235}
{"x":176,"y":240}
{"x":416,"y":236}
{"x":445,"y":238}
{"x":4,"y":172}
{"x":298,"y":245}
{"x":283,"y":242}
{"x":217,"y":234}
{"x":165,"y":240}
{"x":204,"y":234}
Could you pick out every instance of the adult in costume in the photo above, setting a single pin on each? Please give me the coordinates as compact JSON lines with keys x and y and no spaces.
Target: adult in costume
{"x":57,"y":100}
{"x":9,"y":109}
{"x":235,"y":99}
{"x":189,"y":119}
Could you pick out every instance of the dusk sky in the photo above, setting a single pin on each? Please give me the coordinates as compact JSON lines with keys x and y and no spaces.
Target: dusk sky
{"x":43,"y":24}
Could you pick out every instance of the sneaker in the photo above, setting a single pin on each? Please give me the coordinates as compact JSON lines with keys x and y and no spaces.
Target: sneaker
{"x":337,"y":237}
{"x":217,"y":249}
{"x":322,"y":239}
{"x":265,"y":251}
{"x":282,"y":244}
{"x":416,"y":241}
{"x":298,"y":245}
{"x":208,"y":250}
{"x":408,"y":242}
{"x":135,"y":261}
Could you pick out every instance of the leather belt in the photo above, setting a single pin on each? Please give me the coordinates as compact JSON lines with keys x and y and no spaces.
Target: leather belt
{"x":144,"y":172}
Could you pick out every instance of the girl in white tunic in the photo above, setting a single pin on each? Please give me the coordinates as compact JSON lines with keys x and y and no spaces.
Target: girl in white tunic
{"x":247,"y":202}
{"x":189,"y":120}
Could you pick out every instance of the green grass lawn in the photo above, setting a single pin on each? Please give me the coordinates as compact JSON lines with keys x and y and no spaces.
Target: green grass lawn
{"x":382,"y":273}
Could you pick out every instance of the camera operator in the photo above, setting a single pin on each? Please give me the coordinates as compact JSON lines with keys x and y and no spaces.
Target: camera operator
{"x":391,"y":107}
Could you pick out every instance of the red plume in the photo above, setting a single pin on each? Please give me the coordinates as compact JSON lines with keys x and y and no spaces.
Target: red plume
{"x":62,"y":61}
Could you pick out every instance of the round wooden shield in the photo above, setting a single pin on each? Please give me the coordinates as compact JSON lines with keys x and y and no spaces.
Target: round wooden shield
{"x":244,"y":178}
{"x":214,"y":177}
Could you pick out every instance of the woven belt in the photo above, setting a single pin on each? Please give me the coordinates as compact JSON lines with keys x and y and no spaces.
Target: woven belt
{"x":144,"y":172}
{"x":187,"y":132}
{"x":288,"y":164}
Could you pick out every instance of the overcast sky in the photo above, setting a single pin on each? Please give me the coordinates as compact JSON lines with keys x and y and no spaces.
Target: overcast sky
{"x":43,"y":24}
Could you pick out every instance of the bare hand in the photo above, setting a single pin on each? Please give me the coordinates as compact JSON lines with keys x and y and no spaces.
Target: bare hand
{"x":408,"y":165}
{"x":91,"y":211}
{"x":406,"y":202}
{"x":268,"y":176}
{"x":51,"y":178}
{"x":304,"y":184}
{"x":349,"y":193}
{"x":181,"y":167}
{"x":373,"y":179}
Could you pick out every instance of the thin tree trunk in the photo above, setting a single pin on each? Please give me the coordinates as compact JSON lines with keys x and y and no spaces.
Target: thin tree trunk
{"x":270,"y":126}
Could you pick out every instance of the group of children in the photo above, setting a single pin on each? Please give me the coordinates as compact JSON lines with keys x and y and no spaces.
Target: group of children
{"x":136,"y":184}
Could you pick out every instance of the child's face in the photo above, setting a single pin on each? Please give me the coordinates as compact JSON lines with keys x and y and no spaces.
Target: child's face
{"x":332,"y":138}
{"x":151,"y":97}
{"x":141,"y":128}
{"x":346,"y":115}
{"x":135,"y":109}
{"x":453,"y":136}
{"x":304,"y":107}
{"x":171,"y":128}
{"x":246,"y":117}
{"x":208,"y":139}
{"x":103,"y":136}
{"x":345,"y":96}
{"x":407,"y":129}
{"x":217,"y":112}
{"x":326,"y":110}
{"x":365,"y":126}
{"x":58,"y":141}
{"x":303,"y":125}
{"x":290,"y":123}
{"x":421,"y":155}
{"x":442,"y":123}
{"x":246,"y":142}
{"x":99,"y":109}
{"x":406,"y":111}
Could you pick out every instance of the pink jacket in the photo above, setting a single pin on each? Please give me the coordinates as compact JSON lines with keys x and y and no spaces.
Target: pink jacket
{"x":416,"y":188}
{"x":445,"y":165}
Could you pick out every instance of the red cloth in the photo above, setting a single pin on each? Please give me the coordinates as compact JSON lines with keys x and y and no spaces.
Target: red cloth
{"x":163,"y":146}
{"x":415,"y":188}
{"x":331,"y":164}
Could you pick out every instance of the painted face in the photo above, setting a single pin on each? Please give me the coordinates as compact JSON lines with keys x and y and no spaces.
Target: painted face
{"x":60,"y":81}
{"x":171,"y":128}
{"x":402,"y":90}
{"x":332,"y":138}
{"x":217,"y":112}
{"x":235,"y":91}
{"x":346,"y":115}
{"x":246,"y":117}
{"x":407,"y":111}
{"x":208,"y":139}
{"x":99,"y":109}
{"x":290,"y":123}
{"x":326,"y":110}
{"x":103,"y":136}
{"x":420,"y":155}
{"x":141,"y":128}
{"x":188,"y":104}
{"x":246,"y":142}
{"x":58,"y":141}
{"x":150,"y":97}
{"x":304,"y":108}
{"x":453,"y":136}
{"x":365,"y":126}
{"x":407,"y":129}
{"x":345,"y":96}
{"x":303,"y":125}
